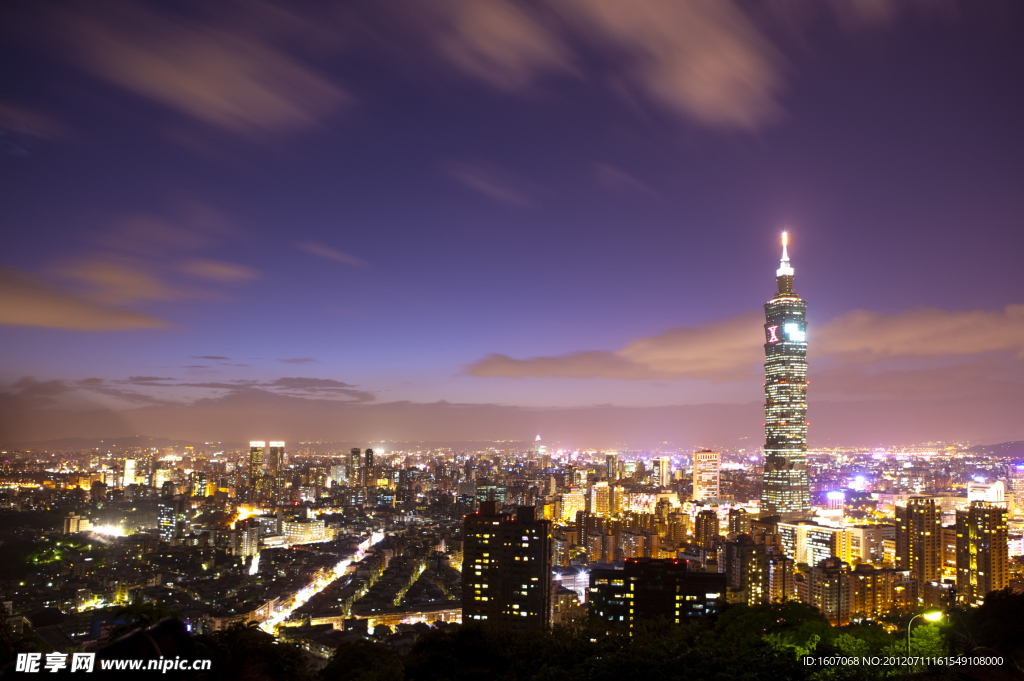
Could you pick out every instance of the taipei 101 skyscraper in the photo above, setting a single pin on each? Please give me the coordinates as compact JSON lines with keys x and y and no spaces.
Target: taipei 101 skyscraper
{"x":786,"y":490}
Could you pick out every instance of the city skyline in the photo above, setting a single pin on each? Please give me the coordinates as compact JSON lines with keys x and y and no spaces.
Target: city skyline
{"x":423,"y":340}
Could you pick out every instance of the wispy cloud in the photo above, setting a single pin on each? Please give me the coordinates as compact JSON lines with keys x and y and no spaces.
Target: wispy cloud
{"x":27,"y":302}
{"x":501,"y":43}
{"x":711,"y":62}
{"x":233,"y":66}
{"x":218,"y":270}
{"x":322,"y":251}
{"x":298,"y":360}
{"x":21,"y":126}
{"x":140,"y":259}
{"x":491,"y":183}
{"x":704,"y":60}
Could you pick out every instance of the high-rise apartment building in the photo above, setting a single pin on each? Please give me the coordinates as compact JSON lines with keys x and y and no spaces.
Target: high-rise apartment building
{"x":601,"y":499}
{"x":171,"y":519}
{"x":506,"y":568}
{"x":739,"y":521}
{"x":982,"y":553}
{"x":248,"y":538}
{"x":706,"y":529}
{"x":652,"y":588}
{"x":707,"y":467}
{"x":785,"y":490}
{"x":831,"y":590}
{"x":919,"y":539}
{"x":746,"y":571}
{"x":76,"y":523}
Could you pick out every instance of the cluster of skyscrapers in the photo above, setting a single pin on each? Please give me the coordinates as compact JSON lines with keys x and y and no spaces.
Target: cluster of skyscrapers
{"x":660,"y":561}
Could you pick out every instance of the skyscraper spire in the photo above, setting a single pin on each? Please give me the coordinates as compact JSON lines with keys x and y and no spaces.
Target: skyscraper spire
{"x":784,"y":268}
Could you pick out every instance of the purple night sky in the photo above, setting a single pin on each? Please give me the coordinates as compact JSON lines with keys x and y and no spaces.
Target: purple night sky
{"x":462,"y":220}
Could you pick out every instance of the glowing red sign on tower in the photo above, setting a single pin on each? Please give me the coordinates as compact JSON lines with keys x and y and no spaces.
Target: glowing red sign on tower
{"x":772,"y":337}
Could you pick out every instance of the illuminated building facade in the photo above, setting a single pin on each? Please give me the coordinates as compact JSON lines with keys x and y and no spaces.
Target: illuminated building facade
{"x":707,"y":466}
{"x":1016,"y":486}
{"x":506,"y":568}
{"x":601,"y":499}
{"x":664,"y":471}
{"x":831,"y":590}
{"x":786,"y":489}
{"x":171,"y":515}
{"x":573,"y":502}
{"x":257,"y":449}
{"x":810,"y":543}
{"x":650,"y":588}
{"x":76,"y":523}
{"x":982,"y":552}
{"x":248,"y":542}
{"x":919,"y":539}
{"x":304,"y":531}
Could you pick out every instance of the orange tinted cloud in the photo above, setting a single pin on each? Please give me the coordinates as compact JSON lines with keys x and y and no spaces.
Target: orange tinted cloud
{"x":731,"y":349}
{"x":865,"y":335}
{"x":25,"y":302}
{"x":721,"y":351}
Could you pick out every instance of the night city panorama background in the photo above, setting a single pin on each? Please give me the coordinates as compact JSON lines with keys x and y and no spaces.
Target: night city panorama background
{"x":469,"y":220}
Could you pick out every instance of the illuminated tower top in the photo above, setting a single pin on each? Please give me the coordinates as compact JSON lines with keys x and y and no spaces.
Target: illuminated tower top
{"x":784,"y":275}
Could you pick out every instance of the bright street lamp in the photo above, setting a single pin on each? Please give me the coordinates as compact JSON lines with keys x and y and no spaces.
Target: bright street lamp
{"x":931,"y":616}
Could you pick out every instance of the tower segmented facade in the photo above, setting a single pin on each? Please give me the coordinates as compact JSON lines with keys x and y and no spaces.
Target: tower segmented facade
{"x":786,"y":490}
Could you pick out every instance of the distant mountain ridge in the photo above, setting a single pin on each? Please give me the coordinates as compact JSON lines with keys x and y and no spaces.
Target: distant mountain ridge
{"x":88,"y":443}
{"x":1003,"y":449}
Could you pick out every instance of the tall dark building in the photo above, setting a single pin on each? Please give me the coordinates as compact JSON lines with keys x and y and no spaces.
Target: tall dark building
{"x":919,"y":539}
{"x":275,"y":467}
{"x":354,"y":466}
{"x":746,"y":570}
{"x":368,"y":480}
{"x":256,"y":451}
{"x":651,"y":588}
{"x":506,"y":568}
{"x":786,"y":489}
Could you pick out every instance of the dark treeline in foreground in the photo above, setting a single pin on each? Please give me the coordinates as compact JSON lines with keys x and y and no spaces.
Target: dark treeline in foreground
{"x":743,"y":643}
